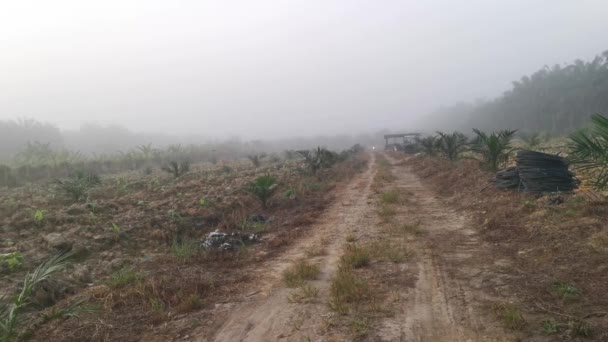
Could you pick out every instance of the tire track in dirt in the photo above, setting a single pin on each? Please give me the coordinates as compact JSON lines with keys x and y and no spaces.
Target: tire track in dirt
{"x":447,"y":303}
{"x":268,"y":315}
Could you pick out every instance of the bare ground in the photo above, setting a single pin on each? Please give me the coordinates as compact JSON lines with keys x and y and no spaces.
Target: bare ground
{"x":435,"y":295}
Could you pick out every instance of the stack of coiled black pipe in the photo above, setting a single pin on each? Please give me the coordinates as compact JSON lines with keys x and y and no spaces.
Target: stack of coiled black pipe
{"x":537,"y":172}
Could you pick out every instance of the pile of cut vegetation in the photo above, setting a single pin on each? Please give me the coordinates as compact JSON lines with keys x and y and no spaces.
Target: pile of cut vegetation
{"x":537,"y":172}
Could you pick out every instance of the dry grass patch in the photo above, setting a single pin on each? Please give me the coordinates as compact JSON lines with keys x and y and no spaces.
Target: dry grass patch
{"x":347,"y":289}
{"x":303,"y":294}
{"x":350,"y":237}
{"x":190,"y":303}
{"x":158,"y":310}
{"x":360,"y":327}
{"x":393,"y":252}
{"x":510,"y":315}
{"x":299,"y":272}
{"x":413,"y":228}
{"x":315,"y":251}
{"x":383,"y":174}
{"x":599,"y":242}
{"x":386,"y":213}
{"x":579,"y":328}
{"x":356,"y":256}
{"x":390,"y":197}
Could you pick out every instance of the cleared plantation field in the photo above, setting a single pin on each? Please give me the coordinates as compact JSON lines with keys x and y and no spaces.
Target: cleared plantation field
{"x":328,"y":247}
{"x":138,"y":268}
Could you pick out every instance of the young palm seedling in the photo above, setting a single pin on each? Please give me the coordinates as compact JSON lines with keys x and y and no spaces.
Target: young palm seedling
{"x":177,"y":169}
{"x":589,"y":151}
{"x":184,"y":250}
{"x":11,"y":310}
{"x":263,"y":188}
{"x":430,"y":145}
{"x":78,"y":186}
{"x":494,"y":148}
{"x":319,"y":158}
{"x":452,"y":145}
{"x":116,"y":231}
{"x":291,"y":193}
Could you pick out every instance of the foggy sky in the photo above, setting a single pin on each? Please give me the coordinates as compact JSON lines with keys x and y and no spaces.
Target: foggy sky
{"x":273,"y":68}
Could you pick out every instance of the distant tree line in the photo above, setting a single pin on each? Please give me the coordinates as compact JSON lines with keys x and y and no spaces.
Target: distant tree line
{"x":557,"y":100}
{"x":16,"y":134}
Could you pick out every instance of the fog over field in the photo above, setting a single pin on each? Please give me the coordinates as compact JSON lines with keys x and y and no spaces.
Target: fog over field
{"x":303,"y":170}
{"x":273,"y":69}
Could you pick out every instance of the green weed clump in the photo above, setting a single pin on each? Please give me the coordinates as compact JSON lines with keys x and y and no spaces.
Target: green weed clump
{"x":550,"y":327}
{"x":39,"y":216}
{"x":11,"y":262}
{"x":204,"y":202}
{"x":124,"y":277}
{"x":565,"y":291}
{"x":511,"y":316}
{"x":184,"y":250}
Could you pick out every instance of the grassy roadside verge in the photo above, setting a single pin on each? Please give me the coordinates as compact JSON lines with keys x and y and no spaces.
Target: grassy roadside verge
{"x":551,"y":250}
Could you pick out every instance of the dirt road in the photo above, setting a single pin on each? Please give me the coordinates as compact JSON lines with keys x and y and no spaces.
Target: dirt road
{"x":447,"y":303}
{"x":443,"y":302}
